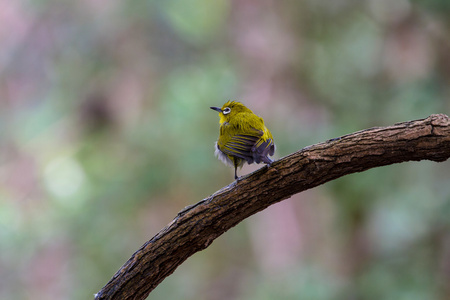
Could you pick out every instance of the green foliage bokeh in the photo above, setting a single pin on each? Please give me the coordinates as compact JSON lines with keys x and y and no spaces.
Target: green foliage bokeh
{"x":106,"y":133}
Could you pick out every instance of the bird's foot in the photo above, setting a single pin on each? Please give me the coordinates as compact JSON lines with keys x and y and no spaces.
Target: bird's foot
{"x":270,"y":168}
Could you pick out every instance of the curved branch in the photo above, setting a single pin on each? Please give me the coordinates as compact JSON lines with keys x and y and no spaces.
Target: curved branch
{"x":195,"y":227}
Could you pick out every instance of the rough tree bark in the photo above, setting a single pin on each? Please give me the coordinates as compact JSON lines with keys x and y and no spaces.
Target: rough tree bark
{"x":195,"y":227}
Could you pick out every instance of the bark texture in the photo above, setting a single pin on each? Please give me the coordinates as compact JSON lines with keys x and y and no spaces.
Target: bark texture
{"x":195,"y":227}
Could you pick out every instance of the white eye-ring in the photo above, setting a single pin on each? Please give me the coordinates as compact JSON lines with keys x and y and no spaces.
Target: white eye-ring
{"x":226,"y":111}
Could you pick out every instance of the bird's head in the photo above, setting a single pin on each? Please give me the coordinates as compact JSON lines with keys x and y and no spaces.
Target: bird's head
{"x":229,"y":110}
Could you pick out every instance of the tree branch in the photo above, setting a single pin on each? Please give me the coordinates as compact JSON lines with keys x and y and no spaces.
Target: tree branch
{"x":195,"y":227}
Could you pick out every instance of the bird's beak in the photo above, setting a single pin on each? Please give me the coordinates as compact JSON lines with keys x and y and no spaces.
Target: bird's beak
{"x":216,"y":108}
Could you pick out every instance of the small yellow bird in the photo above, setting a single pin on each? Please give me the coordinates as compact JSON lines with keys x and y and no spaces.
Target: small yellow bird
{"x":243,"y":137}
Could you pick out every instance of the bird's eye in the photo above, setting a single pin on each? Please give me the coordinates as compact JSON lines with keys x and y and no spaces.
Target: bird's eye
{"x":227,"y":110}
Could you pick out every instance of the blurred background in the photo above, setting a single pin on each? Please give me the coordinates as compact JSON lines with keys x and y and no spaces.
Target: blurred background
{"x":106,"y":133}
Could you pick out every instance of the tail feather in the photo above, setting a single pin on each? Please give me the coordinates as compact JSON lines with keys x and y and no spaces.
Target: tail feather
{"x":262,"y":149}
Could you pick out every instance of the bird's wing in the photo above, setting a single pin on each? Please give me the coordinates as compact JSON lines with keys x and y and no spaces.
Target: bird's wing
{"x":251,"y":148}
{"x":242,"y":146}
{"x":249,"y":143}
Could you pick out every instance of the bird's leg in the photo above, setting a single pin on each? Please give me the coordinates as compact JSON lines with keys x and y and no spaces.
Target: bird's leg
{"x":235,"y":169}
{"x":268,"y":163}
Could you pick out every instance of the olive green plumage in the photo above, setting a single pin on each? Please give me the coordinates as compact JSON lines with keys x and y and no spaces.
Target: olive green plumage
{"x":243,"y":137}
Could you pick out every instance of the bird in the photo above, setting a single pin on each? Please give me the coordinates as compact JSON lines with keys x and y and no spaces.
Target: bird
{"x":243,"y":137}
